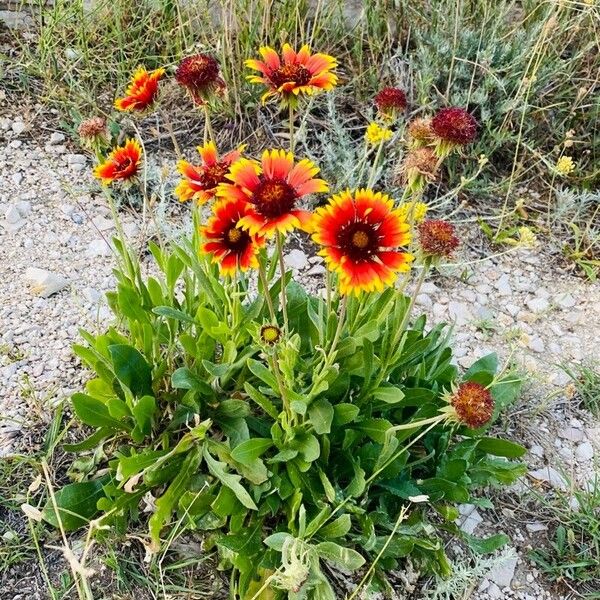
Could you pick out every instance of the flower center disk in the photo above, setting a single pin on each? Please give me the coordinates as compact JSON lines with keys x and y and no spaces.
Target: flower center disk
{"x":358,"y":241}
{"x":214,"y":175}
{"x":290,"y":74}
{"x":274,"y":198}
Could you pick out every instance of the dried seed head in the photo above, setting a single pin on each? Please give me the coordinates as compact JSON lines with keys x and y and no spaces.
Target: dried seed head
{"x":473,"y":404}
{"x":454,"y":125}
{"x":390,"y":102}
{"x":437,"y":238}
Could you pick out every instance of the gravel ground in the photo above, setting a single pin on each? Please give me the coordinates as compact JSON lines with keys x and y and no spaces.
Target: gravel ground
{"x":53,"y":231}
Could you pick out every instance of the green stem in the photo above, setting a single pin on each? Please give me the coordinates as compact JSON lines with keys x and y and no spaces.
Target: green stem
{"x":291,"y":126}
{"x":208,"y":130}
{"x":279,"y":239}
{"x":371,"y":180}
{"x":266,"y":293}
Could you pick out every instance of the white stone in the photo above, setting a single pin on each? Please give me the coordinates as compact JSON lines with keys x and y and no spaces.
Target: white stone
{"x":44,"y":283}
{"x":296,"y":259}
{"x":550,"y":476}
{"x":459,"y":312}
{"x":12,"y":215}
{"x":469,"y":519}
{"x":536,"y":527}
{"x":585,"y":451}
{"x":24,"y":208}
{"x":98,"y":247}
{"x":503,"y":286}
{"x":537,"y":344}
{"x":537,"y":450}
{"x":56,"y":138}
{"x":317,"y":270}
{"x":76,"y":159}
{"x":573,"y":434}
{"x":19,"y":127}
{"x":502,"y":575}
{"x":494,"y":592}
{"x":424,"y":300}
{"x":17,"y":178}
{"x":538,"y":305}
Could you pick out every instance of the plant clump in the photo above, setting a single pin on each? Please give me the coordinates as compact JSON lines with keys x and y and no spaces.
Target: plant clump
{"x":290,"y":430}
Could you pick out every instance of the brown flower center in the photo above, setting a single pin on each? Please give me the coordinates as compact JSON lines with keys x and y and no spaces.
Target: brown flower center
{"x":274,"y":198}
{"x":236,"y":239}
{"x":297,"y":74}
{"x":214,"y":175}
{"x":360,"y":239}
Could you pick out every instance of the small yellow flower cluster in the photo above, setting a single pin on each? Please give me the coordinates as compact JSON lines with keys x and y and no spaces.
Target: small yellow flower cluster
{"x":418,"y":210}
{"x":376,"y":134}
{"x":565,"y":165}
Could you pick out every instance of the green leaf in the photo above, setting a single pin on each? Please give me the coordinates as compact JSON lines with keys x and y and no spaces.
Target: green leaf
{"x":486,"y":545}
{"x":320,"y":413}
{"x":263,"y":373}
{"x":344,"y":413}
{"x":338,"y":528}
{"x":76,"y":504}
{"x":233,"y":408}
{"x":344,"y":557}
{"x":500,"y":447}
{"x":143,"y":411}
{"x":276,"y":540}
{"x":389,"y":394}
{"x":134,"y":464}
{"x":230,"y":480}
{"x":173,"y":313}
{"x":488,"y":364}
{"x":131,"y":369}
{"x":261,"y":400}
{"x":90,"y":442}
{"x":250,"y":450}
{"x":185,"y":379}
{"x":374,"y":428}
{"x":167,"y":503}
{"x":94,"y":412}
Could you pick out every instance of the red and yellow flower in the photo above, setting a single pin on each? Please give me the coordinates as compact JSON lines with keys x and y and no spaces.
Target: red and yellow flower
{"x":361,"y":233}
{"x":230,"y":245}
{"x":122,"y":164}
{"x":273,"y":188}
{"x":294,"y":73}
{"x":142,"y":91}
{"x":200,"y":182}
{"x":200,"y":75}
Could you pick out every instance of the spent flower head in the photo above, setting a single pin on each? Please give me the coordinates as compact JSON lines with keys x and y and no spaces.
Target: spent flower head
{"x":390,"y":102}
{"x":420,"y":132}
{"x":437,"y":239}
{"x":93,"y":133}
{"x":470,"y":404}
{"x":200,"y":75}
{"x":420,"y":166}
{"x":453,"y":127}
